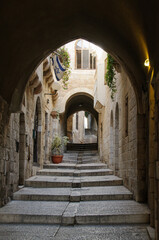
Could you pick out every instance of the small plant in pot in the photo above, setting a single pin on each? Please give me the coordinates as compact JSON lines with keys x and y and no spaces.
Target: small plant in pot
{"x":57,"y":148}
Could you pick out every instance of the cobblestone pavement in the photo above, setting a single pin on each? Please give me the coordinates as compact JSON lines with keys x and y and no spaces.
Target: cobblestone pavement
{"x":56,"y":232}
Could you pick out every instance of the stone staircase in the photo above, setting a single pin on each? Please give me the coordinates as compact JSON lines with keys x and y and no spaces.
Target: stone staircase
{"x":80,"y":190}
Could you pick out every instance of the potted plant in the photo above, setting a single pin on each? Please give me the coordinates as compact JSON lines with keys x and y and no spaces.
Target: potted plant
{"x":58,"y":148}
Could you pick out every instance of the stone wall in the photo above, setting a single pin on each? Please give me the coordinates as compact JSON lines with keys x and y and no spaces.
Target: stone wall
{"x":5,"y":188}
{"x":16,"y":135}
{"x":154,"y":160}
{"x":118,"y":148}
{"x":80,"y":81}
{"x":78,"y":133}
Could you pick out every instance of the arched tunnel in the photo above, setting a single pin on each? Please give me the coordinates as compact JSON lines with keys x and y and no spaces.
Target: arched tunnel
{"x":128,"y":30}
{"x":80,"y":102}
{"x":77,"y":103}
{"x":124,"y":29}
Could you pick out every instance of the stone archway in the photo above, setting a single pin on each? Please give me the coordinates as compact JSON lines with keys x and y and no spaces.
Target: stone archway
{"x":126,"y":48}
{"x":129,"y":36}
{"x":130,"y":49}
{"x":76,"y":103}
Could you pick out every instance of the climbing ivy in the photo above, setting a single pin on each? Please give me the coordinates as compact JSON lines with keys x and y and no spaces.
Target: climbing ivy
{"x":65,"y":60}
{"x":110,"y":75}
{"x":86,"y":114}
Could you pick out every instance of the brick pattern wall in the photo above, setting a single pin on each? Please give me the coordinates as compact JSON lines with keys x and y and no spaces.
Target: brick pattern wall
{"x":4,"y":153}
{"x":127,"y":153}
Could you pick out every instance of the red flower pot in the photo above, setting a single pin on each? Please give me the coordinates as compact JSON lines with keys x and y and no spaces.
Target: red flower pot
{"x":57,"y":158}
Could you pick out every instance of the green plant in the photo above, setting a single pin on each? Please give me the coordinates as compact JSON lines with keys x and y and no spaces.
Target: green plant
{"x":86,"y":114}
{"x":58,"y":144}
{"x":65,"y":60}
{"x":110,"y":75}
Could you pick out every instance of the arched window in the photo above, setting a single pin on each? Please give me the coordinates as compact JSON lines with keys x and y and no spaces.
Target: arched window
{"x":85,"y":56}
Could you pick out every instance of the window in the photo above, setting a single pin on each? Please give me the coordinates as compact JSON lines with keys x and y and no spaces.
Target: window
{"x":126,"y":116}
{"x":85,"y":57}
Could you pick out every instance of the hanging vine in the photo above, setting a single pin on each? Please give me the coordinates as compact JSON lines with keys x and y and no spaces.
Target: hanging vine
{"x":110,"y":76}
{"x":65,"y":60}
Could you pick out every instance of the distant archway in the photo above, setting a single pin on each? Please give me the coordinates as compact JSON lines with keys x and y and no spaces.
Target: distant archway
{"x":82,"y":128}
{"x":76,"y":103}
{"x":80,"y":102}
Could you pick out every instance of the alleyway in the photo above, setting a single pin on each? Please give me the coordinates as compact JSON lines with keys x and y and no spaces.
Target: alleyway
{"x":77,"y":199}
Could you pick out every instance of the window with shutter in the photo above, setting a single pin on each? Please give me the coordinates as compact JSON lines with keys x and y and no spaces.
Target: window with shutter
{"x":78,"y":55}
{"x":85,"y":59}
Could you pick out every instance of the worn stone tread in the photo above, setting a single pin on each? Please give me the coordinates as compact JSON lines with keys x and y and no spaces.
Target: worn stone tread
{"x":76,"y":166}
{"x":94,"y":212}
{"x":71,"y":172}
{"x":57,"y":232}
{"x":73,"y":194}
{"x":68,"y":181}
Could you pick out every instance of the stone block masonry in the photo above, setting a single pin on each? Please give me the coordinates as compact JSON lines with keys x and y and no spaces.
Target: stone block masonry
{"x":5,"y":186}
{"x":117,"y":148}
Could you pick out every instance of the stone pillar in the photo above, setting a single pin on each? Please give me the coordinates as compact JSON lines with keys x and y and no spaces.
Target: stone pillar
{"x":5,"y":188}
{"x":142,"y":158}
{"x":69,"y":128}
{"x":152,"y":154}
{"x":156,"y":163}
{"x":63,"y":125}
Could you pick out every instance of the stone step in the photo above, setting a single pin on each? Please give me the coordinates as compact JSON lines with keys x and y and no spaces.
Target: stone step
{"x":65,"y":213}
{"x":106,"y":212}
{"x":83,"y":161}
{"x":73,"y":172}
{"x":82,"y":153}
{"x":73,"y":194}
{"x":75,"y":182}
{"x":103,"y":193}
{"x":56,"y":232}
{"x":76,"y":166}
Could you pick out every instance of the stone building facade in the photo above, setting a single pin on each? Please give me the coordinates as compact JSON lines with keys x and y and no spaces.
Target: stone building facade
{"x":26,"y":140}
{"x":117,"y":133}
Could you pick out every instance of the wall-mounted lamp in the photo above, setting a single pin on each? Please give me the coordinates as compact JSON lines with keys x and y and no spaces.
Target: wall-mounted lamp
{"x":147,"y":63}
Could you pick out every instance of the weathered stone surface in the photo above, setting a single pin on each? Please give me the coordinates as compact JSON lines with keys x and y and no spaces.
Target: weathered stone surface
{"x":94,"y":212}
{"x":68,"y":181}
{"x":56,"y":232}
{"x":33,"y":212}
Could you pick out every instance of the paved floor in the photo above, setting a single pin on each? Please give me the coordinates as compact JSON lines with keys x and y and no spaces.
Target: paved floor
{"x":56,"y":232}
